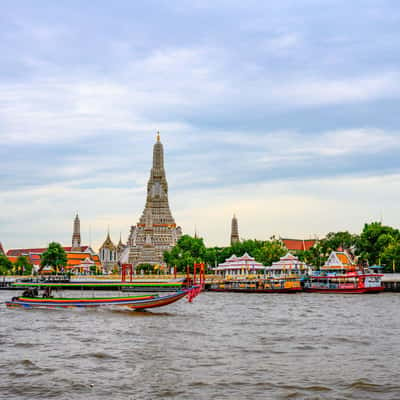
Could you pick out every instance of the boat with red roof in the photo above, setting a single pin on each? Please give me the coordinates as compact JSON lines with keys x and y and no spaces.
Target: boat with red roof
{"x":341,"y":275}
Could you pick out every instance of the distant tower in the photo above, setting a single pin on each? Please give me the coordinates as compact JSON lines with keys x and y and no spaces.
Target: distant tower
{"x":120,"y":247}
{"x":76,"y":236}
{"x":156,"y":230}
{"x":234,"y":231}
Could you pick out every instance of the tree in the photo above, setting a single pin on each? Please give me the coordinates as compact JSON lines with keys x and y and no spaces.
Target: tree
{"x":5,"y":265}
{"x":186,"y":252}
{"x":390,"y":257}
{"x":270,"y":251}
{"x":23,"y":266}
{"x":93,"y":270}
{"x":54,"y":256}
{"x":335,"y":240}
{"x":373,"y":241}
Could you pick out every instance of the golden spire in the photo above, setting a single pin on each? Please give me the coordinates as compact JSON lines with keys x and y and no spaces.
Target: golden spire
{"x":158,"y":136}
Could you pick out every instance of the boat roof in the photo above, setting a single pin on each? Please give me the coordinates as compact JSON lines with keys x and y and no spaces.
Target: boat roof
{"x":344,"y":276}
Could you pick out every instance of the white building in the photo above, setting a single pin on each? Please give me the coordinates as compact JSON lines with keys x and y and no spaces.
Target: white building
{"x":288,"y":264}
{"x":235,"y":266}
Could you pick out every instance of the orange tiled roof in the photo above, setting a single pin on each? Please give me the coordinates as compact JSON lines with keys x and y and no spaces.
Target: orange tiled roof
{"x":344,"y":259}
{"x":13,"y":259}
{"x":75,"y":258}
{"x":298,"y":244}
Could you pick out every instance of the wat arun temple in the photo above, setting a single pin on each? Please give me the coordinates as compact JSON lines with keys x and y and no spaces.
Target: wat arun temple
{"x":156,"y":230}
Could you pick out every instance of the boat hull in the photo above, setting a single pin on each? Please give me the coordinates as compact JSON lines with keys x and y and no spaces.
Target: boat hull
{"x":244,"y":290}
{"x":345,"y":290}
{"x":137,"y":302}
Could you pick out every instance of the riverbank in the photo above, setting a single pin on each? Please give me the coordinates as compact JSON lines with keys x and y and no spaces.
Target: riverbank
{"x":391,"y":282}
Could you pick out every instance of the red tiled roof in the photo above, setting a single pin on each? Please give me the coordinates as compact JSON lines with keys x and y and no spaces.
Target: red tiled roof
{"x":34,"y":259}
{"x":18,"y":252}
{"x":298,"y":244}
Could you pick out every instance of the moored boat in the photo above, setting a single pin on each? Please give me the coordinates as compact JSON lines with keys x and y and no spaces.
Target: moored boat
{"x":341,"y":275}
{"x":244,"y":274}
{"x":263,"y":285}
{"x":352,"y":283}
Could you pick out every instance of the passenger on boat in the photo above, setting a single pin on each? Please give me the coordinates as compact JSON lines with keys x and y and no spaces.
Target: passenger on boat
{"x":47,"y":293}
{"x":30,"y":293}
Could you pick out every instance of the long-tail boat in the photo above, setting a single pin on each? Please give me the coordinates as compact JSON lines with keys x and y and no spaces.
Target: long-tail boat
{"x":31,"y":299}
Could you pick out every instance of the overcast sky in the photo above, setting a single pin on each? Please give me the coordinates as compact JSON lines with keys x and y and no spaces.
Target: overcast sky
{"x":284,"y":113}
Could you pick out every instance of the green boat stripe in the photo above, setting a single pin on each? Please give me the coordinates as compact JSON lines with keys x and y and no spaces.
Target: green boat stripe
{"x":78,"y":284}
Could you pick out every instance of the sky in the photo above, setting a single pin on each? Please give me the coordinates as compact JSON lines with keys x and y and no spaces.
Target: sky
{"x":283,"y":113}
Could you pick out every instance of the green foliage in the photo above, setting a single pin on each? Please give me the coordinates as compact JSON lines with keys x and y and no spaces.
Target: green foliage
{"x":54,"y":256}
{"x":186,"y":252}
{"x":390,"y":257}
{"x":115,"y":269}
{"x":270,"y":251}
{"x":335,"y":240}
{"x":315,"y":256}
{"x":378,"y":243}
{"x":5,"y":265}
{"x":23,"y":266}
{"x":93,"y":270}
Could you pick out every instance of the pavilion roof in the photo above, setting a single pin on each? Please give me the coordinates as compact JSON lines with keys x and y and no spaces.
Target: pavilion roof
{"x":287,"y":261}
{"x":339,"y":260}
{"x":298,"y":244}
{"x":245,"y":261}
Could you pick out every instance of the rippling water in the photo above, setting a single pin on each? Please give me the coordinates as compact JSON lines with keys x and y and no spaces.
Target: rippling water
{"x":222,"y":346}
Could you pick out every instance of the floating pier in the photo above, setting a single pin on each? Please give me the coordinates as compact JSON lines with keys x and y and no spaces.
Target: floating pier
{"x":391,"y":282}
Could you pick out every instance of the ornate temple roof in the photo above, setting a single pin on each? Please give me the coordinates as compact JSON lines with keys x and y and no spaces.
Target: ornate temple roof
{"x":339,"y":260}
{"x":108,"y":243}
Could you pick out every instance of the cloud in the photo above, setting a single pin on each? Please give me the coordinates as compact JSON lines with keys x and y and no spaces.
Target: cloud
{"x":252,"y":110}
{"x":166,"y":89}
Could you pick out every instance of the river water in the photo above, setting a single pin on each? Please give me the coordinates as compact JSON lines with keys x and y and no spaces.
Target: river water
{"x":222,"y":346}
